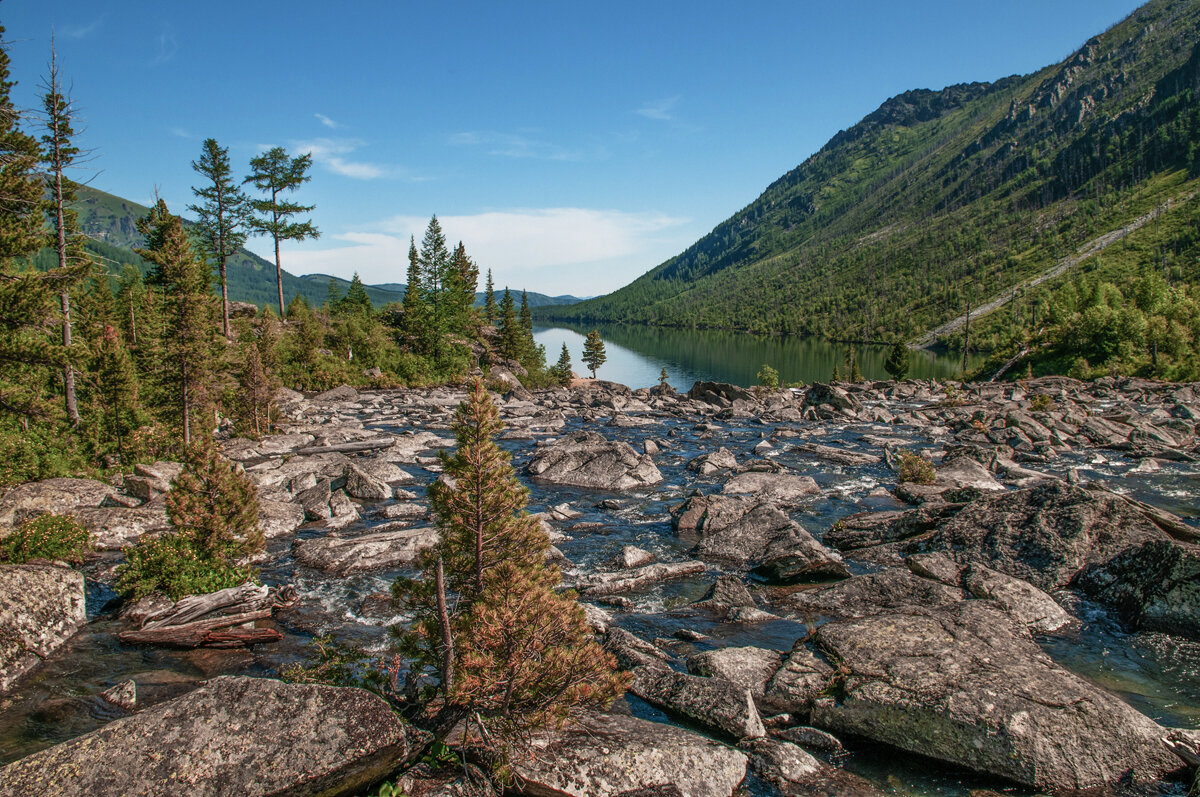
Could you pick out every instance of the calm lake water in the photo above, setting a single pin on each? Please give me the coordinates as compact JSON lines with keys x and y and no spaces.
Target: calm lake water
{"x":637,"y":354}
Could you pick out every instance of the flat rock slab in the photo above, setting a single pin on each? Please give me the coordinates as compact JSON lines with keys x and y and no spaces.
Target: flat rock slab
{"x":587,"y":459}
{"x":51,"y":496}
{"x":781,"y":488}
{"x":40,"y":608}
{"x":380,"y":551}
{"x":610,"y":755}
{"x":966,"y":684}
{"x":116,"y":528}
{"x":232,"y":736}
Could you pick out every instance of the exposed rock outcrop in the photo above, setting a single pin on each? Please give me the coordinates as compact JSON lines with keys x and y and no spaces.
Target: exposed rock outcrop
{"x":40,"y":608}
{"x":587,"y":459}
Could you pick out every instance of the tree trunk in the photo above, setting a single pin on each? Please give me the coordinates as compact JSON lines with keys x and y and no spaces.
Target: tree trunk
{"x":187,"y":410}
{"x":966,"y":339}
{"x":68,"y":370}
{"x":447,"y":664}
{"x":224,"y":299}
{"x":279,"y":279}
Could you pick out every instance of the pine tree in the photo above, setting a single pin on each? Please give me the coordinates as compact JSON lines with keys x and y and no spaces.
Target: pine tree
{"x":511,"y":654}
{"x":489,"y":300}
{"x":511,"y":333}
{"x":116,"y":410}
{"x":24,"y":299}
{"x":526,"y":317}
{"x":464,"y":278}
{"x":897,"y":361}
{"x":214,"y":506}
{"x":224,"y":215}
{"x":562,"y":369}
{"x":59,"y":153}
{"x":356,"y":301}
{"x":275,"y":173}
{"x":414,"y":321}
{"x":662,"y":377}
{"x":188,"y":345}
{"x":258,"y":377}
{"x":593,"y":352}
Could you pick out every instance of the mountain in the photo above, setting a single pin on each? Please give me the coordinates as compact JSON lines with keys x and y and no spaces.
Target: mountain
{"x":110,"y":223}
{"x":941,"y":200}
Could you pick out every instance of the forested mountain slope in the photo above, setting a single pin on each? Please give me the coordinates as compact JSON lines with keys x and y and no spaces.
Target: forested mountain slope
{"x":943,"y":199}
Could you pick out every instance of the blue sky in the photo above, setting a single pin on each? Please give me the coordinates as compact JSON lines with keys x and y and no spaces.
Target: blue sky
{"x":570,"y":145}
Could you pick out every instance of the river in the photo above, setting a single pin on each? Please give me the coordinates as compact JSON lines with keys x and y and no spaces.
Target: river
{"x":637,"y":354}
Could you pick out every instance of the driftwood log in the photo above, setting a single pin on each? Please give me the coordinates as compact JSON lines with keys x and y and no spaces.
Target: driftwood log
{"x":373,"y":444}
{"x":222,"y":619}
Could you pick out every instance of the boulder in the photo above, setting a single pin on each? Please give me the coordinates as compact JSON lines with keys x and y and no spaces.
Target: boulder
{"x":749,"y":667}
{"x":865,"y":595}
{"x":40,"y":608}
{"x":712,"y":702}
{"x":587,"y":459}
{"x":966,"y":684}
{"x":960,"y":479}
{"x":727,"y":592}
{"x":337,"y":394}
{"x":637,"y":578}
{"x":719,"y":394}
{"x":794,"y":686}
{"x":798,"y":556}
{"x":234,"y":735}
{"x":1024,"y":602}
{"x":116,"y":528}
{"x":796,"y":773}
{"x":378,"y":551}
{"x":820,"y":393}
{"x":780,"y":488}
{"x":631,"y":556}
{"x":50,"y":497}
{"x":1044,"y":535}
{"x":360,"y":484}
{"x":713,"y":462}
{"x":611,"y":755}
{"x":1154,"y":586}
{"x":838,"y":456}
{"x":279,"y":518}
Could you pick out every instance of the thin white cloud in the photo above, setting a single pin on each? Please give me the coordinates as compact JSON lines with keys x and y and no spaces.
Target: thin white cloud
{"x":331,"y":152}
{"x":166,"y":47}
{"x":550,"y":250}
{"x":81,"y":31}
{"x":325,"y":120}
{"x":515,"y":145}
{"x":180,"y":132}
{"x":662,"y":110}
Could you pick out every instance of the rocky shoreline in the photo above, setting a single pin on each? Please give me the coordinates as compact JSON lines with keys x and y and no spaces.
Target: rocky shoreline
{"x":749,"y":555}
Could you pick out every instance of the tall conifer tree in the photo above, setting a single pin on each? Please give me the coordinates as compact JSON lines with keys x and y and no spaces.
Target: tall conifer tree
{"x":24,"y":299}
{"x":188,"y":301}
{"x":511,"y":653}
{"x":58,"y":155}
{"x":275,"y":174}
{"x":511,"y":332}
{"x":489,"y":300}
{"x":224,"y":214}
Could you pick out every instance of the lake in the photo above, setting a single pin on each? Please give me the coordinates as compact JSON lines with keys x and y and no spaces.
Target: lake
{"x":637,"y":354}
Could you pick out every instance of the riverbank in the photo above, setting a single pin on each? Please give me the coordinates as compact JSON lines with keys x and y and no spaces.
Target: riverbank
{"x":751,"y":556}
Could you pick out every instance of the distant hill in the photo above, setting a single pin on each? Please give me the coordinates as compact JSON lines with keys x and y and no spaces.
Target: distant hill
{"x":110,"y":223}
{"x":945,"y":199}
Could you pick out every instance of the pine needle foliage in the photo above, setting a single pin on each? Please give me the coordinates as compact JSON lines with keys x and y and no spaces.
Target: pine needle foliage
{"x":594,"y":355}
{"x":510,"y":653}
{"x":215,"y":506}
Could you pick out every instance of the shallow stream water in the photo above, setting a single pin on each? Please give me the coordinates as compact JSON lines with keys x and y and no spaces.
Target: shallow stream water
{"x":1159,"y":675}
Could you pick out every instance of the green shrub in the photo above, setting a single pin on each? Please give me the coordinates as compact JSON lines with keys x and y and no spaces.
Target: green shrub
{"x":334,"y":664}
{"x":172,"y":563}
{"x":768,"y":377}
{"x":914,"y":468}
{"x":1041,"y":403}
{"x":46,"y":537}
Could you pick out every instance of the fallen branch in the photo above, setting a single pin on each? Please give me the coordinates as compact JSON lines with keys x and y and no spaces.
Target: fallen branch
{"x":348,"y":448}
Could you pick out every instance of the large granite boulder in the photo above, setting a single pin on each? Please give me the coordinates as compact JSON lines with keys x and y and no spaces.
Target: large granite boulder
{"x":40,"y":608}
{"x":382,"y":550}
{"x":610,"y":755}
{"x":966,"y":684}
{"x":117,"y":528}
{"x":1044,"y":535}
{"x":796,"y":773}
{"x":1154,"y":586}
{"x":587,"y":459}
{"x":50,"y":497}
{"x":234,"y":735}
{"x":786,"y":489}
{"x":712,"y":702}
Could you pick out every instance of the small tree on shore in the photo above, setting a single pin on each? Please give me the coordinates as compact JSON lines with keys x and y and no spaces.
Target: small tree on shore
{"x":897,"y":361}
{"x":593,"y":352}
{"x":768,"y":377}
{"x":562,"y":369}
{"x":510,"y":653}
